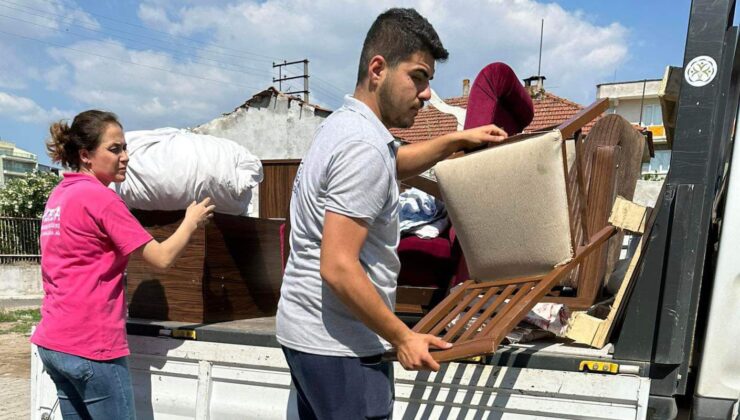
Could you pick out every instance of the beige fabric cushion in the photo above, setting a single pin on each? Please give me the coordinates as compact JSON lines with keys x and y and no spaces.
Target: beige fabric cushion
{"x":509,"y":207}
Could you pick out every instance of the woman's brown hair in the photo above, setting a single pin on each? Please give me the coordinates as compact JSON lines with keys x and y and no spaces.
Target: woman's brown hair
{"x":84,"y":134}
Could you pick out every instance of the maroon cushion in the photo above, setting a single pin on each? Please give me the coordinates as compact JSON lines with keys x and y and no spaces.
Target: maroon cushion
{"x":498,"y":97}
{"x":426,"y":262}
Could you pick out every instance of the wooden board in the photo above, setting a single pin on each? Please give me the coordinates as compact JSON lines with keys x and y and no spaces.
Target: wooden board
{"x":231,"y":269}
{"x":593,"y":331}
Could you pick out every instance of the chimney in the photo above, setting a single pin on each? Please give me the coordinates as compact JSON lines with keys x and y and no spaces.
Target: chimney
{"x":535,"y":85}
{"x":466,"y":87}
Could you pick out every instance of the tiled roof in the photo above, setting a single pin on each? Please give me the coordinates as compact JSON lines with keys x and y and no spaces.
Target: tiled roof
{"x":549,"y":110}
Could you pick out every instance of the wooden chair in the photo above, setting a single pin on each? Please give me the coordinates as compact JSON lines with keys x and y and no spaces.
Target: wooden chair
{"x":509,"y":279}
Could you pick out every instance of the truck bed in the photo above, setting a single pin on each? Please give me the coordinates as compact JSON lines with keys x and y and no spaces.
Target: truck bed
{"x":236,"y":370}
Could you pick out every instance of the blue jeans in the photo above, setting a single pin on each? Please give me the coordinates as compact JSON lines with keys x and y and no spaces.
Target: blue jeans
{"x":90,"y":389}
{"x":342,"y":388}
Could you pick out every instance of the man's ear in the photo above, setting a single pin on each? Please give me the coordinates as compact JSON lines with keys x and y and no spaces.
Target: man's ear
{"x":377,"y":69}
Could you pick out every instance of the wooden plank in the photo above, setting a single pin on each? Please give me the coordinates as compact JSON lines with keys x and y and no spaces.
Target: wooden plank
{"x":412,"y":295}
{"x":441,"y":310}
{"x":460,"y":323}
{"x":576,"y":122}
{"x":276,"y":187}
{"x":505,"y":282}
{"x":627,"y":215}
{"x":595,"y":332}
{"x":488,"y":312}
{"x":601,"y":193}
{"x":409,"y":308}
{"x":512,"y":306}
{"x":459,"y":308}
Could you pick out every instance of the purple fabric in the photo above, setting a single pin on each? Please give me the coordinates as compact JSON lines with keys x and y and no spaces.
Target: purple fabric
{"x":498,"y":97}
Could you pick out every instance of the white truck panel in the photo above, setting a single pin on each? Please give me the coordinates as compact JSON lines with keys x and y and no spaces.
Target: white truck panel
{"x":719,"y":375}
{"x":179,"y":379}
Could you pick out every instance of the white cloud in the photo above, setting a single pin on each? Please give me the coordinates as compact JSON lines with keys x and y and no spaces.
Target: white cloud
{"x":577,"y":54}
{"x":245,"y":36}
{"x":149,"y":89}
{"x":23,"y":24}
{"x":26,"y":110}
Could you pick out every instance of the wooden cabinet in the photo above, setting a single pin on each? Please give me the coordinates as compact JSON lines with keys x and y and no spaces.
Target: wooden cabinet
{"x":231,"y":269}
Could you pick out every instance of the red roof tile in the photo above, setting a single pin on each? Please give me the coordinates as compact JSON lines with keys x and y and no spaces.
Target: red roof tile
{"x":549,"y":110}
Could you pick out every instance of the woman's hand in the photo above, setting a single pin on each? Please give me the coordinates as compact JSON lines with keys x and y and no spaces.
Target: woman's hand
{"x":197,"y":214}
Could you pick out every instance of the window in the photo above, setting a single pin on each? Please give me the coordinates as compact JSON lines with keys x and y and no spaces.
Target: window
{"x":659,"y":164}
{"x":652,"y":115}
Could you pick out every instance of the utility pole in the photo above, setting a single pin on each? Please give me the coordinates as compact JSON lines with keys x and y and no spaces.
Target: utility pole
{"x":539,"y":62}
{"x":281,"y":79}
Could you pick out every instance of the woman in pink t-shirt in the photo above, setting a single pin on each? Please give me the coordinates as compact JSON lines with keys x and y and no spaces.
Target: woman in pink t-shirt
{"x":87,"y":235}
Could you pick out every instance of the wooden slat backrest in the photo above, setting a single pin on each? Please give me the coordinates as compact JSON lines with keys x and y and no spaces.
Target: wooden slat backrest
{"x":496,"y":307}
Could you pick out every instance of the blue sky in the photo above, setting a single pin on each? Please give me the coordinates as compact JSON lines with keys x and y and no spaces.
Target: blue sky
{"x":181,"y":63}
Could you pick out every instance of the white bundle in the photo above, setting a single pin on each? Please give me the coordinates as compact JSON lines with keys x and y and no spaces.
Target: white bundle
{"x":169,"y":168}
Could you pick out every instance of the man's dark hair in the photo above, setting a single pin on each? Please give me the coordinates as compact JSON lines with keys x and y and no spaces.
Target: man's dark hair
{"x":397,"y":34}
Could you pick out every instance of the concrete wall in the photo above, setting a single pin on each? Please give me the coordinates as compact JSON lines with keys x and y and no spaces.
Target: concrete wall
{"x":630,"y":108}
{"x":20,"y":281}
{"x":628,"y":89}
{"x":274,"y":127}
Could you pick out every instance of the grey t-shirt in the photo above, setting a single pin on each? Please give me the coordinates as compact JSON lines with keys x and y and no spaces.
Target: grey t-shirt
{"x":349,"y":169}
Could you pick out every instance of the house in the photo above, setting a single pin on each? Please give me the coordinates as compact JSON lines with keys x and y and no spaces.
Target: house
{"x":16,"y":162}
{"x":639,"y":103}
{"x":549,"y":110}
{"x":278,"y":129}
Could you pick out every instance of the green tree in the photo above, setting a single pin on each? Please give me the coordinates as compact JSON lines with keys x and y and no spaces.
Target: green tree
{"x":26,"y":197}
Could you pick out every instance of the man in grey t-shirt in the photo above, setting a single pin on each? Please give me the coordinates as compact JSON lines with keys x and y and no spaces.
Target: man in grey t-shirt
{"x":335,"y":315}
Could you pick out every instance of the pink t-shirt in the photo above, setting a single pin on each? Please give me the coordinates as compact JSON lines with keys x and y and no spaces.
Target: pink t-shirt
{"x":87,"y":234}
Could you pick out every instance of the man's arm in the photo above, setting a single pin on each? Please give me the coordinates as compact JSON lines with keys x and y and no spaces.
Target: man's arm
{"x":416,"y":158}
{"x":342,"y":241}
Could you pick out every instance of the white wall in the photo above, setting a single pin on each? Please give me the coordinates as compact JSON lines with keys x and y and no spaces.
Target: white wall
{"x":20,"y":281}
{"x":277,"y":127}
{"x":630,"y":108}
{"x":628,"y":89}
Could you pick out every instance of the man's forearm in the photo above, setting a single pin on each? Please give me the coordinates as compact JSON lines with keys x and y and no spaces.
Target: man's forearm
{"x":413,"y":159}
{"x":354,"y":289}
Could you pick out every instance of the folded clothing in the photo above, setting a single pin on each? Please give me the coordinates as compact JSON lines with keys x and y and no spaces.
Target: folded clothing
{"x":421,"y":209}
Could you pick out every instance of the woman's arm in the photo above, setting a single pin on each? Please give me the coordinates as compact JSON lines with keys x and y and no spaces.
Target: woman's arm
{"x":162,"y":255}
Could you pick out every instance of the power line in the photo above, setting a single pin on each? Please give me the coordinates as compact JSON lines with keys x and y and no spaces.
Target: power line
{"x":323,"y":82}
{"x":248,"y":70}
{"x":131,"y":62}
{"x":67,"y":20}
{"x":263,"y":57}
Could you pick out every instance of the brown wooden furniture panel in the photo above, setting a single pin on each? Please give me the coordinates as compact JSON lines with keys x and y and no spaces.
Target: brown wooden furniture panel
{"x":275,"y":189}
{"x":610,"y":130}
{"x":230,"y":270}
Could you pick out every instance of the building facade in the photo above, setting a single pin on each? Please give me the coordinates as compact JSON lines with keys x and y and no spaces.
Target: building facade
{"x":639,"y":103}
{"x":16,"y":162}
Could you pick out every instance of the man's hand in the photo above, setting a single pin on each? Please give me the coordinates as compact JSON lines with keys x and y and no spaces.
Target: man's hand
{"x":413,"y":351}
{"x":480,"y":135}
{"x":413,"y":159}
